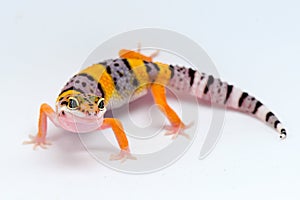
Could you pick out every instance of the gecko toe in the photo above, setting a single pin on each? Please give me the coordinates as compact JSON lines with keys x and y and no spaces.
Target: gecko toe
{"x":122,"y":156}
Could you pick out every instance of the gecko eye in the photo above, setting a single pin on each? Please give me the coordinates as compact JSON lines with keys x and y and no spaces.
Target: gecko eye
{"x":101,"y":104}
{"x":73,"y":103}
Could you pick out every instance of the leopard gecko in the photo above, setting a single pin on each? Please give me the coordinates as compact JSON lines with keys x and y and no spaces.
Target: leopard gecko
{"x":83,"y":101}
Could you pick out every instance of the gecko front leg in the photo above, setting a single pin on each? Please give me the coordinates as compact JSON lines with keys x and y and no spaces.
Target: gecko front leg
{"x":118,"y":130}
{"x":40,"y":139}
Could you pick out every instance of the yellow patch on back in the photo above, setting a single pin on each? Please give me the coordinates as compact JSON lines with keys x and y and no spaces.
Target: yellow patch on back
{"x":98,"y":72}
{"x":164,"y":74}
{"x":139,"y":69}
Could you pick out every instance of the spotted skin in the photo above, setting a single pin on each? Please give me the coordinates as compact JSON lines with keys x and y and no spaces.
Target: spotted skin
{"x":180,"y":79}
{"x":84,"y":84}
{"x":82,"y":102}
{"x":121,"y":73}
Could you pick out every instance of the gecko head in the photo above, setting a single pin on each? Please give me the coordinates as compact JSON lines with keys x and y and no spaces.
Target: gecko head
{"x":80,"y":112}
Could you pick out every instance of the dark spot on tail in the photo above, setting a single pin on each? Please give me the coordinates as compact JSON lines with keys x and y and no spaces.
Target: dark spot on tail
{"x":283,"y":133}
{"x":276,"y":123}
{"x":242,"y":98}
{"x":229,"y":90}
{"x":191,"y":75}
{"x":209,"y":82}
{"x":258,"y":104}
{"x":269,"y":114}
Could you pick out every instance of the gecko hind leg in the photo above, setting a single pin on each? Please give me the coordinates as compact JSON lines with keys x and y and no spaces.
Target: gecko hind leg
{"x":177,"y":127}
{"x":125,"y":53}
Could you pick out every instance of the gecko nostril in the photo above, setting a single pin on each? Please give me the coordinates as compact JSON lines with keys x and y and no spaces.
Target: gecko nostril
{"x":63,"y":112}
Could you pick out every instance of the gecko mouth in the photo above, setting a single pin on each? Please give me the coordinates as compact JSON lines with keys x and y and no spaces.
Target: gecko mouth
{"x":79,"y":124}
{"x":79,"y":118}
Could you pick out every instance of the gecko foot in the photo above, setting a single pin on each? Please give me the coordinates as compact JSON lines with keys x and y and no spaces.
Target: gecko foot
{"x":37,"y":142}
{"x":177,"y":130}
{"x":122,"y":156}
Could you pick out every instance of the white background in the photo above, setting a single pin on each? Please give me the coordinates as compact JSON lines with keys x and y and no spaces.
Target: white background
{"x":254,"y":44}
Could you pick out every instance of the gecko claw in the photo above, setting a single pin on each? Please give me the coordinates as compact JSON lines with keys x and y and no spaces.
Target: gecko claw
{"x":122,"y":156}
{"x":37,"y":142}
{"x":177,"y":130}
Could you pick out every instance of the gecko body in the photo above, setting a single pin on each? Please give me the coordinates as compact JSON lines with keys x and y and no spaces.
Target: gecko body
{"x":83,"y":101}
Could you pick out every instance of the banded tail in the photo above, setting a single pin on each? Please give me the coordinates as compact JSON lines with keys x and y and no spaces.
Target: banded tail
{"x":211,"y":89}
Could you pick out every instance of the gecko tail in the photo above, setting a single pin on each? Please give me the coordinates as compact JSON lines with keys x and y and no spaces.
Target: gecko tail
{"x":244,"y":102}
{"x":211,"y":89}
